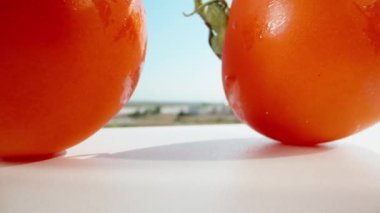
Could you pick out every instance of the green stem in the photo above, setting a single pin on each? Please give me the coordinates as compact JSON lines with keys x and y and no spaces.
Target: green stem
{"x":215,"y":15}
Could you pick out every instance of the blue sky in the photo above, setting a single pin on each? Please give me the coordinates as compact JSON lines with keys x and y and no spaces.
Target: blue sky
{"x":179,"y":65}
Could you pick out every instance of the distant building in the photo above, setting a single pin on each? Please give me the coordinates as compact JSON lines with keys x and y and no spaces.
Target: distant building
{"x":132,"y":110}
{"x":176,"y":109}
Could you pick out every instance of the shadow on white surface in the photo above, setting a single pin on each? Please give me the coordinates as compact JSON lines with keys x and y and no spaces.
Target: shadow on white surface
{"x":216,"y":150}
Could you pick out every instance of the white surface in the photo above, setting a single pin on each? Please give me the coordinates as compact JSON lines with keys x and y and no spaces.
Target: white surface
{"x":226,"y":169}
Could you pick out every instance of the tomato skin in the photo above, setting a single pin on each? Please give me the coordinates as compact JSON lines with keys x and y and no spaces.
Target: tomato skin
{"x":66,"y":67}
{"x":304,"y":72}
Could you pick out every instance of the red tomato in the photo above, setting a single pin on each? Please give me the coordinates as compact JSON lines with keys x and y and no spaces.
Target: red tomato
{"x":304,"y":72}
{"x":66,"y":67}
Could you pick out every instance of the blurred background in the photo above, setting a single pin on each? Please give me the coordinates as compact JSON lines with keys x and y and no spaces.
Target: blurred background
{"x":181,"y":79}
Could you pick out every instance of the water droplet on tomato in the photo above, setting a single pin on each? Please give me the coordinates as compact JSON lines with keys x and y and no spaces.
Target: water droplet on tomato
{"x":104,"y":10}
{"x":371,"y":11}
{"x":234,"y":25}
{"x":365,"y":4}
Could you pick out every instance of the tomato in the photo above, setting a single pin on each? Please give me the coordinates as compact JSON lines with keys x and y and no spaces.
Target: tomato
{"x":304,"y":72}
{"x":66,"y":67}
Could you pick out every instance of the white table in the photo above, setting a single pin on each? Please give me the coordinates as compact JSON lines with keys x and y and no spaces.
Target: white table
{"x":196,"y":169}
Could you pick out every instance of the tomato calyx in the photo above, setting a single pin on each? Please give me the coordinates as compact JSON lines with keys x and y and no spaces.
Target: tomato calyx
{"x":215,"y":15}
